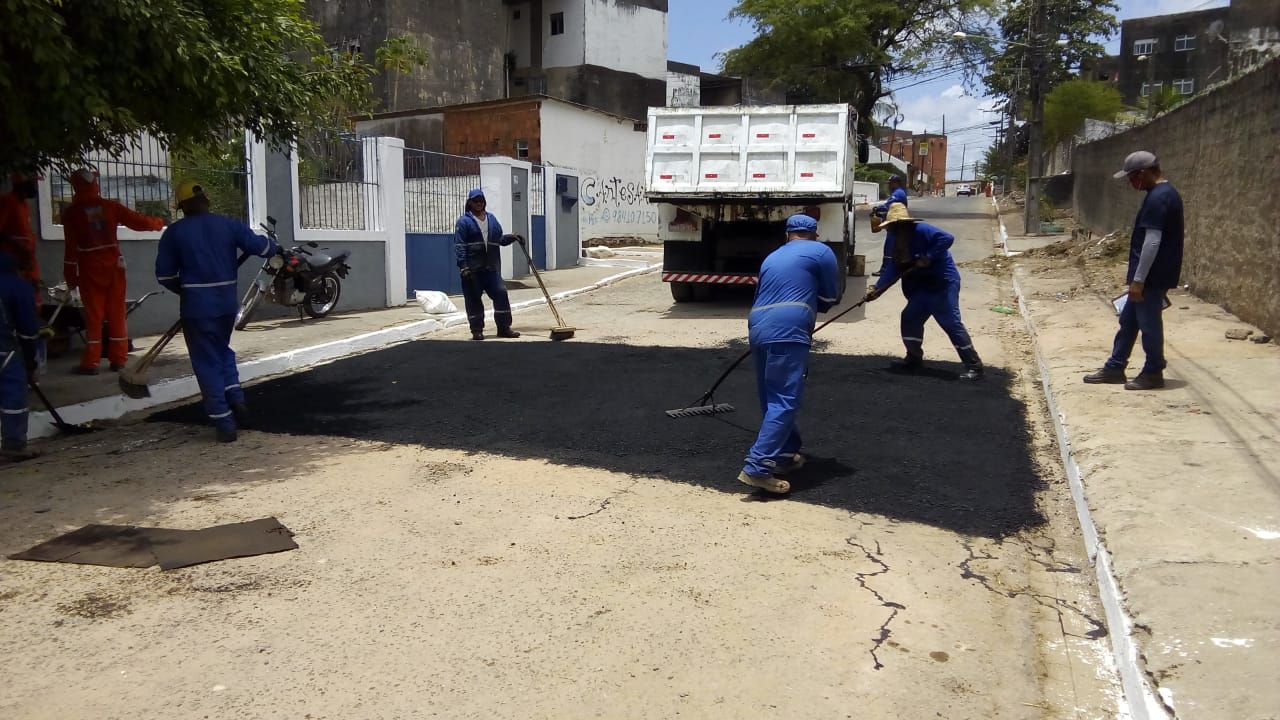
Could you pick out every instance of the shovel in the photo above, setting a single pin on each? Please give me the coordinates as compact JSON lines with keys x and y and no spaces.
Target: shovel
{"x":133,"y":378}
{"x":58,"y":422}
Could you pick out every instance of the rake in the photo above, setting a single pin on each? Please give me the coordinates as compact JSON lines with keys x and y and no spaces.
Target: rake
{"x":705,"y":405}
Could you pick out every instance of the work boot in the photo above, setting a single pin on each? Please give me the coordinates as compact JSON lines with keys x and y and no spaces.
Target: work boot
{"x":241,"y":413}
{"x":972,"y":372}
{"x":789,"y":464}
{"x":910,"y":363}
{"x":227,"y":435}
{"x":1106,"y":376}
{"x":507,"y":333}
{"x":19,"y":454}
{"x":80,"y":370}
{"x":973,"y":369}
{"x":769,"y":483}
{"x":117,"y":367}
{"x":477,"y":334}
{"x":1146,"y":381}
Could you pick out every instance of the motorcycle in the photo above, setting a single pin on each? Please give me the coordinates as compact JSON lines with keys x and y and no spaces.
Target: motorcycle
{"x":303,"y":277}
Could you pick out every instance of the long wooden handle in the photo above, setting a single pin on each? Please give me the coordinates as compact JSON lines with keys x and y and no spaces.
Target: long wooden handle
{"x":150,"y":356}
{"x":536,"y":276}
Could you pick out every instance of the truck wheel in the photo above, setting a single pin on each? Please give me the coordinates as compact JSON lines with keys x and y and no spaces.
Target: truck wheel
{"x":682,"y":292}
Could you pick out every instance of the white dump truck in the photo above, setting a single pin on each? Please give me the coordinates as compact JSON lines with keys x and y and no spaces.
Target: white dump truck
{"x":726,"y":178}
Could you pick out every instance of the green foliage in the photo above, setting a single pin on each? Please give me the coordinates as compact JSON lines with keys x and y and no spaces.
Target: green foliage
{"x":1080,"y":23}
{"x":1074,"y":101}
{"x":81,"y":77}
{"x":219,"y":168}
{"x":400,"y":56}
{"x":1160,"y":100}
{"x":841,"y":50}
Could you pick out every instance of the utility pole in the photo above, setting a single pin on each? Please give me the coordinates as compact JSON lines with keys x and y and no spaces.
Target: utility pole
{"x":1031,"y":214}
{"x":964,"y":150}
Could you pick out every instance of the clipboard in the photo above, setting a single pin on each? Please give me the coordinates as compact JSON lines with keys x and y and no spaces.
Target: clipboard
{"x":1118,"y":302}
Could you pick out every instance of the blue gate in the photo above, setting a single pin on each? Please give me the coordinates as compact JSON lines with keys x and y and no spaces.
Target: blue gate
{"x":435,"y":194}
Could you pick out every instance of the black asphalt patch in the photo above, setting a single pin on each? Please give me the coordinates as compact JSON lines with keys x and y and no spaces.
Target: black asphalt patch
{"x":922,"y":449}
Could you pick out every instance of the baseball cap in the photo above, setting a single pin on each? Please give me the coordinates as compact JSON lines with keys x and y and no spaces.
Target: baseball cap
{"x":895,"y":178}
{"x":801,"y":223}
{"x":1136,"y":161}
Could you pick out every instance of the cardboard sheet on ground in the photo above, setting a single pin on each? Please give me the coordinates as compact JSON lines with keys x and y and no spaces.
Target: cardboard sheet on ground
{"x":139,"y":547}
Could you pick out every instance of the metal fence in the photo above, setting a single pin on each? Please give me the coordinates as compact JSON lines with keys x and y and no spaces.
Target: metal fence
{"x":435,"y":189}
{"x":538,"y":190}
{"x":145,"y":176}
{"x":336,"y":191}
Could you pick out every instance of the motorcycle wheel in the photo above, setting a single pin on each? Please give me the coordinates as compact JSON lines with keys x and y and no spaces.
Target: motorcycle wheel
{"x":250,"y":303}
{"x":323,"y":297}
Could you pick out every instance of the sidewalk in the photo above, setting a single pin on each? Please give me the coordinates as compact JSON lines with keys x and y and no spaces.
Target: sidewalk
{"x":273,"y":346}
{"x":1178,"y":490}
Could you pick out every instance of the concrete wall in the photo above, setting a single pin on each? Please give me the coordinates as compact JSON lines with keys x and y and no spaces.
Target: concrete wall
{"x":568,"y":49}
{"x":627,"y":37}
{"x":609,"y":155}
{"x":625,"y":94}
{"x":1220,"y":151}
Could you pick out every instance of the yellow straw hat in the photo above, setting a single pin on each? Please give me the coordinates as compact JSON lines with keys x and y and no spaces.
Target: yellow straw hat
{"x":897,"y":213}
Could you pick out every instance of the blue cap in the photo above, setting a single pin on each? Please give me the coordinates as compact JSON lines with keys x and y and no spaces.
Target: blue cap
{"x":895,"y":178}
{"x":477,"y":193}
{"x":801,"y":223}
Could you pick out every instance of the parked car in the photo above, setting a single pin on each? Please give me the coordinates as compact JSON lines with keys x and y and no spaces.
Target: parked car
{"x":965,"y":190}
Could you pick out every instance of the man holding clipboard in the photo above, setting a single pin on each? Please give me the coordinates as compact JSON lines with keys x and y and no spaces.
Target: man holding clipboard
{"x":1155,"y":263}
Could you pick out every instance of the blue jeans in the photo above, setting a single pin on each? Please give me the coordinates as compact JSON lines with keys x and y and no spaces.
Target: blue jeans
{"x":473,"y":290}
{"x":214,"y":363}
{"x":780,"y":372}
{"x":1146,"y":317}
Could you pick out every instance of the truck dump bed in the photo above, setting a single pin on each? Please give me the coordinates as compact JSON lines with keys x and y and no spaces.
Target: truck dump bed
{"x":777,"y":151}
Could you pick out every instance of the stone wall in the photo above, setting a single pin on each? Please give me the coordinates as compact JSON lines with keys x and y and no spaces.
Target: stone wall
{"x":1220,"y":151}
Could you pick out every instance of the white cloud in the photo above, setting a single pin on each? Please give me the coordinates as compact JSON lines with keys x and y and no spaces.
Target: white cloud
{"x":968,"y":134}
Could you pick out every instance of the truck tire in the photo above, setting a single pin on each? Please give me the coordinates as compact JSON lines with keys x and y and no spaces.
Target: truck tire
{"x":682,"y":292}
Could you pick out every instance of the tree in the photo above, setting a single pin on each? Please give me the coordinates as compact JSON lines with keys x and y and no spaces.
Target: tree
{"x":400,"y":56}
{"x":842,"y":50}
{"x":1068,"y":105}
{"x":1077,"y":21}
{"x":83,"y":77}
{"x":1160,"y":100}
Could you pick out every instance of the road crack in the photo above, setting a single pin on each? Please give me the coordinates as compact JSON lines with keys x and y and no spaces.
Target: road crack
{"x":896,"y":608}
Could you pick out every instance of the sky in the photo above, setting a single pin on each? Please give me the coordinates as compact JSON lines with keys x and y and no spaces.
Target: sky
{"x":698,"y":29}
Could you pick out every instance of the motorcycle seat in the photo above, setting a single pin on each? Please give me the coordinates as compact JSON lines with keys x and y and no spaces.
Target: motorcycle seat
{"x":322,"y":262}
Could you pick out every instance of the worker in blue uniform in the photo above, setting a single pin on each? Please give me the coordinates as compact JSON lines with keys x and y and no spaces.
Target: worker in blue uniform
{"x":878,"y":212}
{"x":197,"y":260}
{"x":797,"y":281}
{"x":477,"y":239}
{"x":19,"y":332}
{"x":919,"y":254}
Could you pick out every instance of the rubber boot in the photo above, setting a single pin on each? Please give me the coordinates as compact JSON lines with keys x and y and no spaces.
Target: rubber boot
{"x":913,"y":361}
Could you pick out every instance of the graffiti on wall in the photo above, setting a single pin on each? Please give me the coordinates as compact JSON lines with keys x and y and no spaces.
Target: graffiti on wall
{"x":683,"y":90}
{"x":614,"y":206}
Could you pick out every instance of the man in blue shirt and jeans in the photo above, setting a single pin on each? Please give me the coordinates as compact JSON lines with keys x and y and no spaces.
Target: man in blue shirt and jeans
{"x":797,"y":281}
{"x":1155,"y":263}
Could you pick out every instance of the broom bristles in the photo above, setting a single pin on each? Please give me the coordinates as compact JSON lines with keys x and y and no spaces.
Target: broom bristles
{"x":697,"y":410}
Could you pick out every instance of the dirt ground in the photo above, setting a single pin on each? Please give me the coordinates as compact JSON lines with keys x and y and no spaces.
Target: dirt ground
{"x":515,"y":529}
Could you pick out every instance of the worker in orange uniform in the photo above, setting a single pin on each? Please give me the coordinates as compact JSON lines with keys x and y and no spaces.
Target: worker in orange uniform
{"x":16,"y":238}
{"x":94,"y":264}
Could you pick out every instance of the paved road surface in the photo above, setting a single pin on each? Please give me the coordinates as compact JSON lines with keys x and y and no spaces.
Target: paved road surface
{"x":515,"y":529}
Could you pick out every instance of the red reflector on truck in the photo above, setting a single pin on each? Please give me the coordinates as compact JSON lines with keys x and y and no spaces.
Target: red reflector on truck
{"x":714,"y":136}
{"x":810,"y":135}
{"x":806,"y":174}
{"x":668,"y":137}
{"x":712,"y":175}
{"x":762,"y":135}
{"x":666,"y":177}
{"x":757,"y":175}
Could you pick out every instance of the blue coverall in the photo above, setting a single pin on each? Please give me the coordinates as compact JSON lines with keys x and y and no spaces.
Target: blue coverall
{"x":897,"y":196}
{"x":197,"y":259}
{"x":19,"y":329}
{"x":480,"y":255}
{"x":931,"y":291}
{"x":797,"y":281}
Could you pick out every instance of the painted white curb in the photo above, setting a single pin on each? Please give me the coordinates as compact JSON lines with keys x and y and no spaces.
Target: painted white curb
{"x":1140,"y":701}
{"x":176,"y":389}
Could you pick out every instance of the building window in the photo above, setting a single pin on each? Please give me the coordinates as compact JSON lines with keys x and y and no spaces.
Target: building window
{"x":1148,"y":88}
{"x":1184,"y":43}
{"x":1144,"y":47}
{"x":557,"y":23}
{"x":538,"y":86}
{"x":1185,"y":86}
{"x":522,"y":149}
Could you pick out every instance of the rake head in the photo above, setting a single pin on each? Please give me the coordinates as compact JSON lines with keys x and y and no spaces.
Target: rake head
{"x":699,"y":410}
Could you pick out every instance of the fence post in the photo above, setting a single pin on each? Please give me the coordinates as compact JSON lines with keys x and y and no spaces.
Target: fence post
{"x":255,"y":152}
{"x":497,"y":181}
{"x":385,"y":155}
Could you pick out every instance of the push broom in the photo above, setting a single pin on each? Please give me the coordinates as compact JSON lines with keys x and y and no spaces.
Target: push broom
{"x":560,"y":331}
{"x":133,"y":378}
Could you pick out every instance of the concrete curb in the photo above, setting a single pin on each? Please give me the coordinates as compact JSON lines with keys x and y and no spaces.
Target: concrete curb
{"x":1140,"y":700}
{"x":182,"y":388}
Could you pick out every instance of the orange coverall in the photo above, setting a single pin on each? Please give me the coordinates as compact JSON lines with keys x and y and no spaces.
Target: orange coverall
{"x":94,"y":264}
{"x":17,"y":240}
